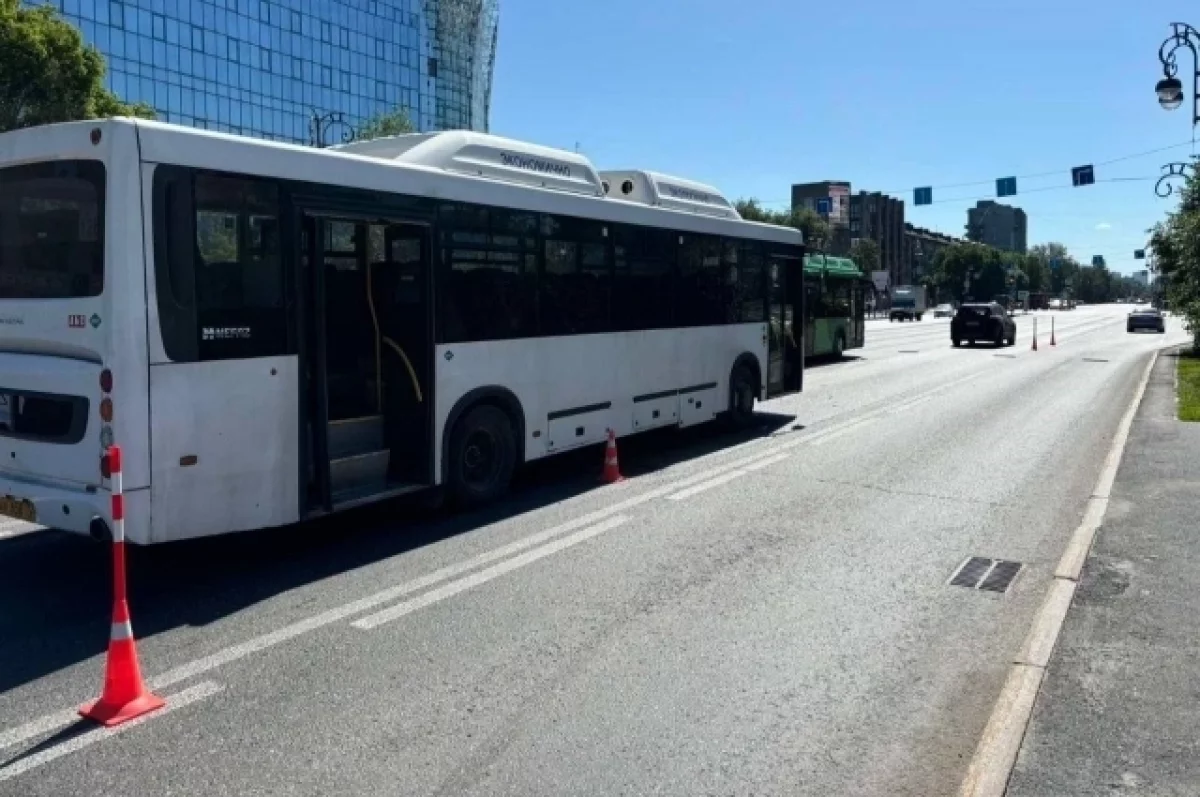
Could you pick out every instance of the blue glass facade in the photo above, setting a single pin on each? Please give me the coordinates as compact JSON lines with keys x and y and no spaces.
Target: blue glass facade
{"x":261,"y":67}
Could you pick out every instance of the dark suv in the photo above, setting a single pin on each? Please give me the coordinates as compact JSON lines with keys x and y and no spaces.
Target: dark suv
{"x":983,"y":321}
{"x":1146,"y":318}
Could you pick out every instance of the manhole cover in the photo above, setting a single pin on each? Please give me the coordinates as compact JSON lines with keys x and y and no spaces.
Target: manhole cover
{"x":990,"y":575}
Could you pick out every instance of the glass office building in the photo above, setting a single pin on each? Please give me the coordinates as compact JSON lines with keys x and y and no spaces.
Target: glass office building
{"x":264,"y":67}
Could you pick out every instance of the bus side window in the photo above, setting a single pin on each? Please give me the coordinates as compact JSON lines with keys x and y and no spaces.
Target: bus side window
{"x":644,"y":276}
{"x":750,"y":286}
{"x":576,"y":283}
{"x":489,"y":273}
{"x":699,"y":299}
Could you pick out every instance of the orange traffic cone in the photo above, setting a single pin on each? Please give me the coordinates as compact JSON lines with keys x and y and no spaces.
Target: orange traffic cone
{"x":125,"y":695}
{"x":612,"y":469}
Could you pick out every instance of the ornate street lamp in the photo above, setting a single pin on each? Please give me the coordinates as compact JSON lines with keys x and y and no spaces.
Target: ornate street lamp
{"x":1170,"y":88}
{"x":320,"y":124}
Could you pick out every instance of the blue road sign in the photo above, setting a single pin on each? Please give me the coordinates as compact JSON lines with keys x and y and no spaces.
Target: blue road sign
{"x":1055,"y":263}
{"x":1139,"y":254}
{"x":824,"y":206}
{"x":1097,"y":260}
{"x":1006,"y":186}
{"x":923,"y":196}
{"x":1083,"y":175}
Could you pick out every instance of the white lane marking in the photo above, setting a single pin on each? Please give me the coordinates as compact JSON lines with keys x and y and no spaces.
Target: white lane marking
{"x":22,"y":765}
{"x":42,"y":725}
{"x":728,"y":477}
{"x":843,"y":431}
{"x":707,"y":485}
{"x":483,"y":576}
{"x":763,"y":463}
{"x":996,"y":754}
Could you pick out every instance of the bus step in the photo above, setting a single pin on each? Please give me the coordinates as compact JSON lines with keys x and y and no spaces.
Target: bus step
{"x":355,"y":436}
{"x":359,"y":470}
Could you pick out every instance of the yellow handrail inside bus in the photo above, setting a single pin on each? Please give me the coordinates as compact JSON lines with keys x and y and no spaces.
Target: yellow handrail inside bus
{"x":411,"y":373}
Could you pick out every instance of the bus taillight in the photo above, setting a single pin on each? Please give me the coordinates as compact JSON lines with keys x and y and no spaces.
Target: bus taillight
{"x":106,"y":410}
{"x":106,"y":381}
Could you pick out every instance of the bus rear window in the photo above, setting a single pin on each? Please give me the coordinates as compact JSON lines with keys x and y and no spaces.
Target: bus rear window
{"x":52,"y":230}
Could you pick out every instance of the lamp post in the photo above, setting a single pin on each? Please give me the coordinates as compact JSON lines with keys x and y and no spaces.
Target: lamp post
{"x":1170,"y":91}
{"x":320,"y":124}
{"x":1170,"y":88}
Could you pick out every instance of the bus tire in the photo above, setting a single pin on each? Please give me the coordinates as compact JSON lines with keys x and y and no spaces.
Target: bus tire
{"x":742,"y":390}
{"x":483,"y":456}
{"x":839,"y":345}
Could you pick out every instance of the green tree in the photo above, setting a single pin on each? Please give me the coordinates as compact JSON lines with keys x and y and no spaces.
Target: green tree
{"x":815,"y":228}
{"x":962,"y":264}
{"x":865,"y":254}
{"x":1176,"y":245}
{"x":395,"y":122}
{"x":48,"y":75}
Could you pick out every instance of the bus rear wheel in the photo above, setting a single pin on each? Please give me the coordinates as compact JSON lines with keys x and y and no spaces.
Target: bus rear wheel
{"x":839,"y":346}
{"x":483,"y":456}
{"x":741,"y":398}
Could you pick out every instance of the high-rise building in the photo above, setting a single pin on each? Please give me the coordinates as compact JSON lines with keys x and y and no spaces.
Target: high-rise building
{"x":266,"y":67}
{"x":1001,"y":226}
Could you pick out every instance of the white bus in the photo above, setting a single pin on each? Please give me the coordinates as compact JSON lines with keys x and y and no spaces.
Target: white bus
{"x":272,"y":332}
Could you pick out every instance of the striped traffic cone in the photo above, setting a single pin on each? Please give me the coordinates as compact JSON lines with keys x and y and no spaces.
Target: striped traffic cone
{"x":125,"y":695}
{"x":612,"y":469}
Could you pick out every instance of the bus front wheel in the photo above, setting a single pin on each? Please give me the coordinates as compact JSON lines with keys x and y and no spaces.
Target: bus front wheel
{"x":483,"y":456}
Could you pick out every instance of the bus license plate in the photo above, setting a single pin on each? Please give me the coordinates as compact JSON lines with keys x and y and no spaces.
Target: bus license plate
{"x":18,"y":508}
{"x":972,"y":323}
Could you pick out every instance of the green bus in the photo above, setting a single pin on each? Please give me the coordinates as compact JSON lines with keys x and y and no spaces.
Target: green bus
{"x":834,"y":305}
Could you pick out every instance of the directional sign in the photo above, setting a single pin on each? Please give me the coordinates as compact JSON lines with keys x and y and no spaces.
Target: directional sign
{"x":1098,"y":260}
{"x":1055,"y":263}
{"x":1083,"y":175}
{"x":824,"y":206}
{"x":1139,"y":254}
{"x":1006,"y":186}
{"x":923,"y":196}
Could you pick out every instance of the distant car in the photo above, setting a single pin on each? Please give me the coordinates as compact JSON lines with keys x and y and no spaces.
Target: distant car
{"x":1146,"y":318}
{"x":943,"y":311}
{"x":983,"y":321}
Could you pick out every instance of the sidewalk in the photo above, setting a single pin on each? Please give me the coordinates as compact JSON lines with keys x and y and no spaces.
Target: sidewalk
{"x":1119,"y":709}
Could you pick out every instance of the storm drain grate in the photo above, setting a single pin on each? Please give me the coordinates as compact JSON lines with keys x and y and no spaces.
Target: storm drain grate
{"x":910,"y":351}
{"x":991,"y":575}
{"x":1094,"y":360}
{"x":1007,"y":356}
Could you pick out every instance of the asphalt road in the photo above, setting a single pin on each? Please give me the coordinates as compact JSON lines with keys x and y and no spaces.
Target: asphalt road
{"x":756,"y":614}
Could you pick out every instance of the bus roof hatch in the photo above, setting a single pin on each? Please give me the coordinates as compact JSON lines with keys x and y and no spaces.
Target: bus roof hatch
{"x":483,"y":155}
{"x":661,"y":190}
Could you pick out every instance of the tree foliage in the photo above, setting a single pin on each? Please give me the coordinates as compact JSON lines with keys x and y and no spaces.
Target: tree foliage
{"x":1176,"y":245}
{"x":395,"y":122}
{"x":48,"y":75}
{"x":815,"y":228}
{"x":969,"y":271}
{"x":866,"y":255}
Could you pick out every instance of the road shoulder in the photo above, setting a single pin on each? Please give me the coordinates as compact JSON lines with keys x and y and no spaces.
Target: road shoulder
{"x":1117,"y":707}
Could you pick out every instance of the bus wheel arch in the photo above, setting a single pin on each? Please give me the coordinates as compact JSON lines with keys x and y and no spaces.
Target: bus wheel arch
{"x":746,"y":369}
{"x":490,"y":412}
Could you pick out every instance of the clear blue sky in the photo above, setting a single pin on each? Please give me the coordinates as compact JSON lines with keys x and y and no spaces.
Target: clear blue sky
{"x":753,"y":96}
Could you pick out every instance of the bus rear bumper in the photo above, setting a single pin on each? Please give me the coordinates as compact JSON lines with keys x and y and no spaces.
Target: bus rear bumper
{"x":76,"y":510}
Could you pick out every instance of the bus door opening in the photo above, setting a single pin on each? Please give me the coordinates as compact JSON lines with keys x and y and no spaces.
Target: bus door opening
{"x":369,"y":355}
